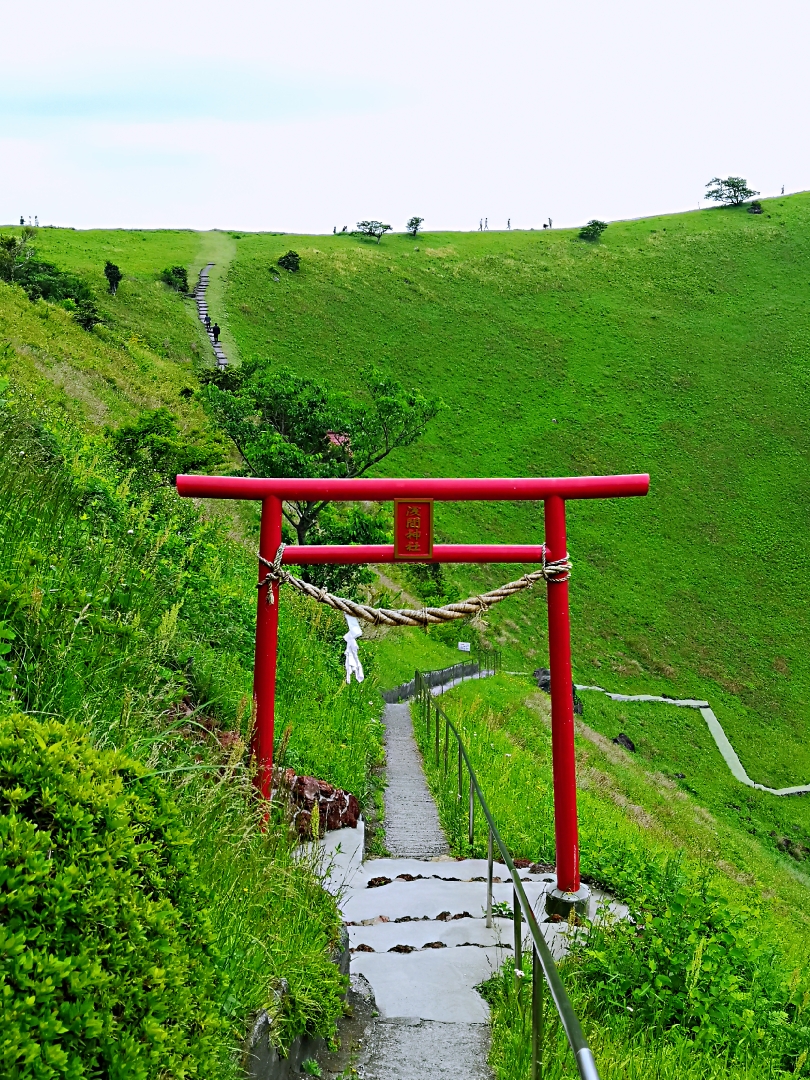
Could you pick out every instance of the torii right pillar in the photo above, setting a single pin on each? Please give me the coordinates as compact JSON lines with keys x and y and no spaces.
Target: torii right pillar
{"x":570,"y":892}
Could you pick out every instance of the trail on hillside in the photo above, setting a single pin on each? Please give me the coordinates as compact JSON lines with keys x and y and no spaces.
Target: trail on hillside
{"x":727,"y":751}
{"x":217,"y":249}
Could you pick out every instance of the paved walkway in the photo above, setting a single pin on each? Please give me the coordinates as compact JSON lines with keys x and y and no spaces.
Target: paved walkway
{"x":202,"y":311}
{"x":418,"y":931}
{"x":412,"y":826}
{"x":727,"y":751}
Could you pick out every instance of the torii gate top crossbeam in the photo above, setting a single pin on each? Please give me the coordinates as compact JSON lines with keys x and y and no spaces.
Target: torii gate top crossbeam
{"x":443,"y":488}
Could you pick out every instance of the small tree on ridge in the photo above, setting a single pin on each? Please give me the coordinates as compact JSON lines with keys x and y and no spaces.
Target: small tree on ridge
{"x":593,"y":230}
{"x":372,"y":228}
{"x":414,"y":225}
{"x":733,"y":191}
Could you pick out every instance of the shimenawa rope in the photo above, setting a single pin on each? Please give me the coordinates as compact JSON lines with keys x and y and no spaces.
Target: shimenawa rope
{"x":556,"y":570}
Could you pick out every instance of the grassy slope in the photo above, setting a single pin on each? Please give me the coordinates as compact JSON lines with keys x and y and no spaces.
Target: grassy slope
{"x":625,"y":806}
{"x":142,"y":359}
{"x":676,"y":346}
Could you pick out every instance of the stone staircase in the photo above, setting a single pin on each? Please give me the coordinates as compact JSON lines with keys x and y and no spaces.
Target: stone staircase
{"x":202,"y":310}
{"x":417,"y":929}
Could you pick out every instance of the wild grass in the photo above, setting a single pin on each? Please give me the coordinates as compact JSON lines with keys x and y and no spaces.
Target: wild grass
{"x":746,"y":1009}
{"x":126,"y":611}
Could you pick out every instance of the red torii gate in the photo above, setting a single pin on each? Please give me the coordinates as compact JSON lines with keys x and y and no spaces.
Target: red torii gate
{"x":553,"y":491}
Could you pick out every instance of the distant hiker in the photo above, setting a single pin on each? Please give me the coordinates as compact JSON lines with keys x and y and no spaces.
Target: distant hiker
{"x":783,"y":189}
{"x":480,"y":224}
{"x":215,"y":332}
{"x":486,"y":223}
{"x":334,"y":230}
{"x":509,"y":223}
{"x":36,"y":219}
{"x":549,"y":222}
{"x":22,"y":220}
{"x":207,"y":321}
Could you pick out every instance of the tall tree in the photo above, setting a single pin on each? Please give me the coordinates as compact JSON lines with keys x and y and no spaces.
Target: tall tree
{"x":284,"y":424}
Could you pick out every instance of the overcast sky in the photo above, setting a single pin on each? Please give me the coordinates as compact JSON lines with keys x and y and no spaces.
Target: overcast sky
{"x":300,"y":115}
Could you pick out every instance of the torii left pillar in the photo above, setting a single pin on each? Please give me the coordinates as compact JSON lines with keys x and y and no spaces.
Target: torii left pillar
{"x":264,"y":683}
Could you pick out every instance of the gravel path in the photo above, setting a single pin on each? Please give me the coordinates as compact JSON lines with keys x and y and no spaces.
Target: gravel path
{"x":417,"y":931}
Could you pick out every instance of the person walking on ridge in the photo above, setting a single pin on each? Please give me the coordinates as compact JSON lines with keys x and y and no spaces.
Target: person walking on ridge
{"x":215,"y":331}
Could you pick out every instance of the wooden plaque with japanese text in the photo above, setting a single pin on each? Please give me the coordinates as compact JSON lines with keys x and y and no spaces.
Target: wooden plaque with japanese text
{"x":413,"y":528}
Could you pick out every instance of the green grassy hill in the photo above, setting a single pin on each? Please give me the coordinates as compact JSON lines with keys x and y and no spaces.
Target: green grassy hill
{"x":677,"y":346}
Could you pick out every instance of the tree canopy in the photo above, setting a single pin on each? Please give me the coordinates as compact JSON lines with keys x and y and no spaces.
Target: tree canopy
{"x":289,"y":425}
{"x":373,"y":228}
{"x":733,"y":191}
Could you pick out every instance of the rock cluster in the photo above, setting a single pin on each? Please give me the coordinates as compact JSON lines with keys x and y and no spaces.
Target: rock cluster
{"x":337,"y":809}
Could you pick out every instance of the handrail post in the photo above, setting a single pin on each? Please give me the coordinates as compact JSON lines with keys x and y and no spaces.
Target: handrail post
{"x":537,"y":1016}
{"x":437,"y":738}
{"x":471,"y":824}
{"x":489,"y":877}
{"x":516,"y":921}
{"x":446,"y":743}
{"x":460,"y":772}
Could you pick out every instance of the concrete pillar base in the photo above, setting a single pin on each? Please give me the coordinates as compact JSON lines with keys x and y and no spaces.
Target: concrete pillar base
{"x":562,"y":903}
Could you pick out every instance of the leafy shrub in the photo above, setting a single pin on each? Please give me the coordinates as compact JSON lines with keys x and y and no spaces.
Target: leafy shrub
{"x":176,"y":277}
{"x":694,"y":962}
{"x":291,"y":261}
{"x":43,"y":281}
{"x":593,"y":230}
{"x":106,"y":965}
{"x":154,"y":447}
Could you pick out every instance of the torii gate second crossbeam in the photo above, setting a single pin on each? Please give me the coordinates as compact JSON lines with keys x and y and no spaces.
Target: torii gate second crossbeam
{"x":553,"y":491}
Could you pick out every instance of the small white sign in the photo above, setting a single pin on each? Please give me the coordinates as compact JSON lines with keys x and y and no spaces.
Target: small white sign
{"x":464,"y":646}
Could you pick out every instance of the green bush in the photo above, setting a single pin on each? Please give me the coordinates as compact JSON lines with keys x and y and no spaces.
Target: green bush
{"x":291,"y":261}
{"x":106,"y":965}
{"x":155,"y":448}
{"x":593,"y":230}
{"x":176,"y":277}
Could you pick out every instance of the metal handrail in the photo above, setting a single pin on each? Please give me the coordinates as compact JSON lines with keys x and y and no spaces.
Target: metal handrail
{"x":541,"y":954}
